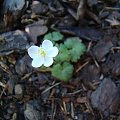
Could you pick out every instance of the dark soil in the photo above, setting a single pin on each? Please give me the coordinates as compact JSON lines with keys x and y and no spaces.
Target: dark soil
{"x":27,"y":93}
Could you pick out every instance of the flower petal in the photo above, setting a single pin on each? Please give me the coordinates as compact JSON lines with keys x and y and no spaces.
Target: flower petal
{"x":37,"y":62}
{"x":48,"y":61}
{"x":33,"y":51}
{"x":47,"y":44}
{"x":52,"y":52}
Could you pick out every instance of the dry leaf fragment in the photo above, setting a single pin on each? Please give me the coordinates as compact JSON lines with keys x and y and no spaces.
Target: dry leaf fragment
{"x":35,"y":30}
{"x":113,"y":22}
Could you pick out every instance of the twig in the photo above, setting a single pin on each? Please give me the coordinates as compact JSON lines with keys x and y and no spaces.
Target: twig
{"x":72,"y":110}
{"x":50,"y":88}
{"x":73,"y":93}
{"x":52,"y":109}
{"x":51,"y":94}
{"x":115,"y":48}
{"x":54,"y":112}
{"x":111,"y":8}
{"x":64,"y":106}
{"x":5,"y":68}
{"x":26,"y":76}
{"x":2,"y":84}
{"x":84,"y":88}
{"x":2,"y":92}
{"x":96,"y":63}
{"x":89,"y":46}
{"x":82,"y":66}
{"x":89,"y":108}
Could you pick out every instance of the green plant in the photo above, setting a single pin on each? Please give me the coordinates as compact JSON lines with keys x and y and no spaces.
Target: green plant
{"x":64,"y":54}
{"x":54,"y":36}
{"x":63,"y":71}
{"x":76,"y":48}
{"x":69,"y":51}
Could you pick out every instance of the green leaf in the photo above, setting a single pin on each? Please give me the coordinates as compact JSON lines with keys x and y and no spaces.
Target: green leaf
{"x":54,"y":36}
{"x":70,"y":42}
{"x":76,"y":48}
{"x":57,"y":36}
{"x":64,"y":54}
{"x":48,"y":36}
{"x":63,"y":71}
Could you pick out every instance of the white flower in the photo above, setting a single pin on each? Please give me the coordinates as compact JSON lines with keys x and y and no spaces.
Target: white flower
{"x":43,"y":55}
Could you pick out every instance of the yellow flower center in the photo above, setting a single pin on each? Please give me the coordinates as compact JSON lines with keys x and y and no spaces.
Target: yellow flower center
{"x":42,"y":52}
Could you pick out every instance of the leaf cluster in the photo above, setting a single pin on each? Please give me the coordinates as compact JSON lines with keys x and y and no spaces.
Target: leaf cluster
{"x":63,"y":71}
{"x":76,"y":48}
{"x":54,"y":36}
{"x":70,"y":51}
